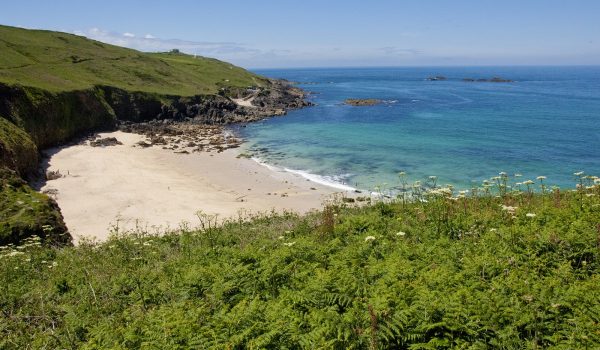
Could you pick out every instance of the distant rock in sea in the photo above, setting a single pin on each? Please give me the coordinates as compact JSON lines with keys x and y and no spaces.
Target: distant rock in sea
{"x":362,"y":101}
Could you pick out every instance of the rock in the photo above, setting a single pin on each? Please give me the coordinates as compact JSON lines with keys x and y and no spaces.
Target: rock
{"x":500,"y":80}
{"x":362,"y":101}
{"x":143,"y":144}
{"x":53,"y":175}
{"x":158,"y":140}
{"x":108,"y":141}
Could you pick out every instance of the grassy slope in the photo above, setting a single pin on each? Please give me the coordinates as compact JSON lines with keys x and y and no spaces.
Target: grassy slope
{"x":443,"y":274}
{"x":57,"y":61}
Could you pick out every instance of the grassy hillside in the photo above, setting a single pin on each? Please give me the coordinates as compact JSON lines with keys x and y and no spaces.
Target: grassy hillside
{"x":57,"y":61}
{"x":515,"y":271}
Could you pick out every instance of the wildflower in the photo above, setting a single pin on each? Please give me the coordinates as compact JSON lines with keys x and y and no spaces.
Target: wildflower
{"x":402,"y":173}
{"x":579,"y":173}
{"x":14,"y":253}
{"x":432,"y":177}
{"x":541,"y":178}
{"x":147,"y":244}
{"x":508,"y":208}
{"x":493,"y":230}
{"x":530,"y":215}
{"x":502,"y":173}
{"x":369,"y":238}
{"x":289,"y":244}
{"x":496,"y":178}
{"x":400,"y":233}
{"x":518,"y":175}
{"x":53,"y":265}
{"x":280,"y":237}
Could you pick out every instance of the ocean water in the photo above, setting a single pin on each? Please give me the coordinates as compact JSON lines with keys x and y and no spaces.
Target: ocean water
{"x":546,"y":122}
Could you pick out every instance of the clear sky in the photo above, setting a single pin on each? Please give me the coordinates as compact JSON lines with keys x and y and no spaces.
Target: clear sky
{"x":305,"y":33}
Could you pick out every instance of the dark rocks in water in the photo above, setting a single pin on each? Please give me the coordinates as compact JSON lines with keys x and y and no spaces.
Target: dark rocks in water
{"x":469,"y":80}
{"x":108,"y":141}
{"x":362,"y":101}
{"x":499,"y":80}
{"x":437,"y":78}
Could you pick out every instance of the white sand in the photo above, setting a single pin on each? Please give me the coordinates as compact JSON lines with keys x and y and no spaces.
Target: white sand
{"x":157,"y":189}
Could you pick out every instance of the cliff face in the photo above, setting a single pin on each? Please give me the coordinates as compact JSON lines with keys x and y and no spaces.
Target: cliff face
{"x":51,"y":119}
{"x":33,"y":119}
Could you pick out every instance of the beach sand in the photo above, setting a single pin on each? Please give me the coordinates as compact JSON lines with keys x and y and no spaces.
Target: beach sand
{"x":155,"y":189}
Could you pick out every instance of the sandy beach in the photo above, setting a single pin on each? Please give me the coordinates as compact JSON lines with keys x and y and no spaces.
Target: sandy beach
{"x":155,"y":189}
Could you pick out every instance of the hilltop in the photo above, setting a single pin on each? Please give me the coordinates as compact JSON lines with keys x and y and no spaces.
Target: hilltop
{"x":57,"y":61}
{"x":56,"y":86}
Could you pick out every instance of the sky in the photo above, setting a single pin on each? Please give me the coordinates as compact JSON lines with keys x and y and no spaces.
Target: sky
{"x":334,"y":33}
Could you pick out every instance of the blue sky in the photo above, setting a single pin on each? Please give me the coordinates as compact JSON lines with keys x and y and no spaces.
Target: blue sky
{"x":308,"y":33}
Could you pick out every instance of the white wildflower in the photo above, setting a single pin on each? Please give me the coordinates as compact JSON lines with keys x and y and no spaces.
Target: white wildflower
{"x":541,"y":178}
{"x":369,"y":238}
{"x":289,"y":244}
{"x":530,"y":215}
{"x":14,"y":253}
{"x":400,"y":233}
{"x":579,"y":173}
{"x":508,"y":208}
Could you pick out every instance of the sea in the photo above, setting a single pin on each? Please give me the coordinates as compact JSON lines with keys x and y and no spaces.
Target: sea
{"x":545,"y":122}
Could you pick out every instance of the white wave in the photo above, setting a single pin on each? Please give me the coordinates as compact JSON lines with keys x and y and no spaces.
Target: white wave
{"x":329,"y":181}
{"x":268,"y":166}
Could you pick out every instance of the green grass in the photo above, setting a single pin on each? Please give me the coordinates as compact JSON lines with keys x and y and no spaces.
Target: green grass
{"x":511,"y":271}
{"x":57,"y":62}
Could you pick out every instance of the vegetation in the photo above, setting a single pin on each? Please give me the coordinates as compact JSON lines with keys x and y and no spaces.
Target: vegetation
{"x":25,"y":212}
{"x":56,"y":62}
{"x":504,"y":268}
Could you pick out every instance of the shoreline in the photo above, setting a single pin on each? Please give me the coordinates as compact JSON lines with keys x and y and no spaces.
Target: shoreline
{"x":155,"y":189}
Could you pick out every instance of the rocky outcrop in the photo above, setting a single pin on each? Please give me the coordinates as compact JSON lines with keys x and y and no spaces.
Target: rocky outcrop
{"x":362,"y":101}
{"x":104,"y":142}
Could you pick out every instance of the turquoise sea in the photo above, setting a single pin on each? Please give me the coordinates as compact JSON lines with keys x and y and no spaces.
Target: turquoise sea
{"x":546,"y":122}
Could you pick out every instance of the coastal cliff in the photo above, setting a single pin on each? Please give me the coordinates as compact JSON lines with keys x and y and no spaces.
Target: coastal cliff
{"x":55,"y":87}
